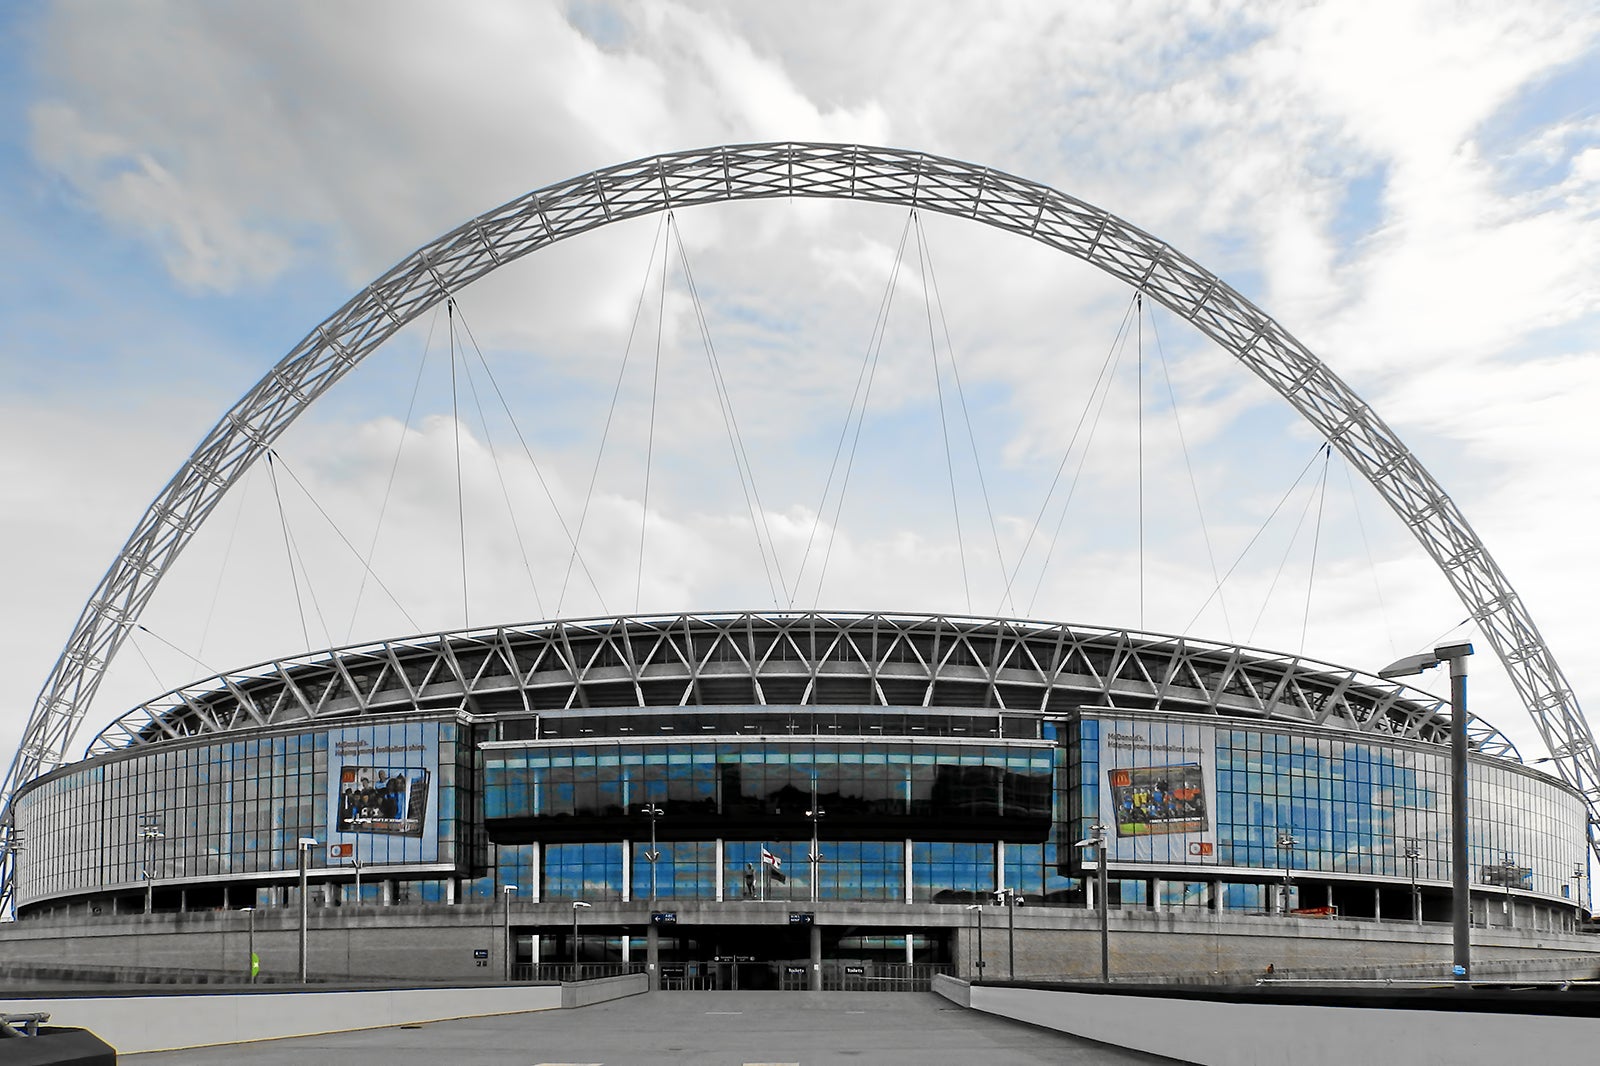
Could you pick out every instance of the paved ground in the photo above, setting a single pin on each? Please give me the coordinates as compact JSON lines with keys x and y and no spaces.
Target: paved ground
{"x":713,"y":1028}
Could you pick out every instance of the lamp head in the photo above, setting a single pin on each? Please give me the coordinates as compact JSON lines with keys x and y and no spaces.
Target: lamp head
{"x":580,"y":903}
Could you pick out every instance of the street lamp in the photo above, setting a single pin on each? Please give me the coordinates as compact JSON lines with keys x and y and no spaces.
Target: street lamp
{"x":255,"y":963}
{"x":1286,"y":844}
{"x":1413,"y":856}
{"x":653,"y":856}
{"x":1508,"y":868}
{"x":577,"y":905}
{"x":505,"y":895}
{"x":1460,"y":913}
{"x":980,"y":964}
{"x":149,"y":832}
{"x":1011,"y":899}
{"x":305,"y":846}
{"x":1097,"y":840}
{"x":815,"y":857}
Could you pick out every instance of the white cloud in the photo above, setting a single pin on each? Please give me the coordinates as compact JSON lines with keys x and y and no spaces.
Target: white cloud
{"x":251,"y":149}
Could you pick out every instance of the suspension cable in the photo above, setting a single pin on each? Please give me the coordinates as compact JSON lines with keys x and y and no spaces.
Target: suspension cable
{"x":966,"y":415}
{"x":366,"y":566}
{"x":461,"y":500}
{"x":741,"y":457}
{"x":650,"y":434}
{"x":1061,"y":467}
{"x":1372,"y":566}
{"x":227,"y":557}
{"x":944,"y":428}
{"x":1188,"y":466}
{"x":499,"y":470}
{"x":605,"y":432}
{"x":1138,"y":406}
{"x":1294,"y":538}
{"x":1077,"y":474}
{"x":394,"y":468}
{"x":1316,"y":539}
{"x":537,"y":472}
{"x":867,"y":373}
{"x":1281,"y":501}
{"x":288,"y":551}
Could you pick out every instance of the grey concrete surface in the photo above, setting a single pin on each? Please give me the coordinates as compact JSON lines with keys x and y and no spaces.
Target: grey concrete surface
{"x":712,"y":1028}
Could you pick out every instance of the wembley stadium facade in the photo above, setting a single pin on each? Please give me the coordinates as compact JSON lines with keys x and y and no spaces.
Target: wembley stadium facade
{"x":794,"y":795}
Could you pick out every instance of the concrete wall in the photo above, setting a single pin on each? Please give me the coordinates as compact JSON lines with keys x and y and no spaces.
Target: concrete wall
{"x":1262,"y":1034}
{"x":133,"y":1024}
{"x":603,"y":989}
{"x":1269,"y":1034}
{"x":437,"y":942}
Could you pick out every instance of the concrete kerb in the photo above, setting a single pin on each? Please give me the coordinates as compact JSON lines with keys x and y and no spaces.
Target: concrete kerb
{"x":171,"y":1022}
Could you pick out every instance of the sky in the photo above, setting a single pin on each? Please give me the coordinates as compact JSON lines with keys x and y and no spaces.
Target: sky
{"x":187,"y":189}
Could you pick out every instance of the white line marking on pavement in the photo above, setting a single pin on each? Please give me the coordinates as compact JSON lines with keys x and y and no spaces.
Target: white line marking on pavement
{"x":724,"y":1012}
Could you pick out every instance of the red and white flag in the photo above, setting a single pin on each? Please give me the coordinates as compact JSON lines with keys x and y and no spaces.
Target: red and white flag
{"x":771,"y":859}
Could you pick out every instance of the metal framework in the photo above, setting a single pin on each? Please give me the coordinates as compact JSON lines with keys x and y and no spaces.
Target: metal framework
{"x":1003,"y":666}
{"x":765,"y":171}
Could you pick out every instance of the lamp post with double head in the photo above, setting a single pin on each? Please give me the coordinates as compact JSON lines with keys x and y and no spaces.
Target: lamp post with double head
{"x":653,"y":856}
{"x":252,"y":967}
{"x":978,"y":966}
{"x":149,"y":832}
{"x":1286,"y":843}
{"x":577,"y":905}
{"x":1011,"y":899}
{"x":814,"y":857}
{"x":1097,"y":840}
{"x":1460,"y":889}
{"x":505,"y":896}
{"x":1508,"y":871}
{"x":305,"y":846}
{"x":1413,"y":856}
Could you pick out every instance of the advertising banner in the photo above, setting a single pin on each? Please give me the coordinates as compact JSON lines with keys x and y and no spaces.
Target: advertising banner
{"x":1157,"y":785}
{"x":382,"y":806}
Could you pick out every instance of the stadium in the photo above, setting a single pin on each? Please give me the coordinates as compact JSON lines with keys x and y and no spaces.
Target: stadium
{"x":790,"y":799}
{"x":861,"y":779}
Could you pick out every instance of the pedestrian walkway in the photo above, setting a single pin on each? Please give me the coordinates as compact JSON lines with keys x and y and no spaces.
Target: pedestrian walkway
{"x":711,"y":1028}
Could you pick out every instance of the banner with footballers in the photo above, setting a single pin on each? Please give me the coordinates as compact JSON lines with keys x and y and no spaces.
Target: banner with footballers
{"x":1157,"y":785}
{"x":382,"y":802}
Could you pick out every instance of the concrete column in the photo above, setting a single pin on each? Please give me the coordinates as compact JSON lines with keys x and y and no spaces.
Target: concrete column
{"x":535,"y":872}
{"x":717,"y":868}
{"x":1220,"y":898}
{"x":1000,"y":865}
{"x":652,"y":956}
{"x":627,"y":871}
{"x":908,"y":872}
{"x":627,"y":945}
{"x":1377,"y":905}
{"x":911,"y":951}
{"x":1155,"y":893}
{"x":816,"y":958}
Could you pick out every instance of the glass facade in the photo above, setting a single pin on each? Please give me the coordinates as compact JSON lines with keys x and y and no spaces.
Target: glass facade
{"x":1264,"y":798}
{"x":1198,"y":805}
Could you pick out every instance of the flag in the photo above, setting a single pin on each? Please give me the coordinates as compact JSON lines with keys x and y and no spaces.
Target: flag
{"x":774,"y":865}
{"x":255,"y":964}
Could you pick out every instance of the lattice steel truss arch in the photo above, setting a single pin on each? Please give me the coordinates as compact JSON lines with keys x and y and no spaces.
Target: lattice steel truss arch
{"x":831,"y":171}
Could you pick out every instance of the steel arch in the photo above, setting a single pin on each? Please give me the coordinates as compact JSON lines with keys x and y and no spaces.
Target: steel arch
{"x":831,"y":171}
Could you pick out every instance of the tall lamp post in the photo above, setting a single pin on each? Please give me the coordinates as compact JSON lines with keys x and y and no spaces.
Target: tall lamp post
{"x":1508,"y":870}
{"x":1577,"y":875}
{"x":505,"y":896}
{"x":814,"y":858}
{"x":1097,"y":840}
{"x":149,"y":832}
{"x":577,"y":905}
{"x":1413,"y":856}
{"x":653,"y":856}
{"x":978,"y":967}
{"x":1286,"y":843}
{"x":1460,"y":888}
{"x":306,"y":844}
{"x":1011,"y":899}
{"x":254,"y":963}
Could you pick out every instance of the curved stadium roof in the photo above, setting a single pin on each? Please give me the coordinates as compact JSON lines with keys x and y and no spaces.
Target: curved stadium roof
{"x":788,"y":659}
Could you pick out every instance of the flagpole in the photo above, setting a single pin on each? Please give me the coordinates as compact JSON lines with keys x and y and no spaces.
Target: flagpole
{"x":763,"y":871}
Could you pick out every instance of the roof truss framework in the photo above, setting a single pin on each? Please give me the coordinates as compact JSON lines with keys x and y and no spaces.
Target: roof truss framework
{"x":760,"y":171}
{"x":1083,"y":665}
